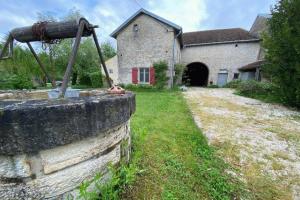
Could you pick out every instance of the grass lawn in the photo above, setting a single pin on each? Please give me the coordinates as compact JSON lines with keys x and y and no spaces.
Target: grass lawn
{"x":173,"y":155}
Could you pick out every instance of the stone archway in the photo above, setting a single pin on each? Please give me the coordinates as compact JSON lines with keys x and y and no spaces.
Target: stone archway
{"x":195,"y":74}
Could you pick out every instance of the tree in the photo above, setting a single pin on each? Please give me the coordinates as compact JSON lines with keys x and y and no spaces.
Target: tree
{"x":108,"y":50}
{"x":282,"y":45}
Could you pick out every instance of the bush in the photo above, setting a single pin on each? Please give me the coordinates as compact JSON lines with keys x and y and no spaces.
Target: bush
{"x":233,"y":84}
{"x":253,"y":87}
{"x":178,"y":72}
{"x":213,"y":86}
{"x":19,"y":81}
{"x":93,"y":79}
{"x":96,"y":79}
{"x":264,"y":91}
{"x":161,"y":78}
{"x":84,"y":79}
{"x":135,"y":87}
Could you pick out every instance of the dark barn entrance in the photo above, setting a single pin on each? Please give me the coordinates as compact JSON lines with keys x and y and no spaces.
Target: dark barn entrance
{"x":195,"y":74}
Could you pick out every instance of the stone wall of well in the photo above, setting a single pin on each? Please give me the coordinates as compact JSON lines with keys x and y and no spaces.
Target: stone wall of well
{"x":56,"y":173}
{"x":49,"y":147}
{"x":152,"y":42}
{"x":222,"y":56}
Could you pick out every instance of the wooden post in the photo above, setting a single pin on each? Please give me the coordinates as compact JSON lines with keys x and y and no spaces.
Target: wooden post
{"x":41,"y":65}
{"x":101,"y":59}
{"x":72,"y":59}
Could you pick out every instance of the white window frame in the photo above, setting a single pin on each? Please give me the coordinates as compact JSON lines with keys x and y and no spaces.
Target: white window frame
{"x":144,"y":68}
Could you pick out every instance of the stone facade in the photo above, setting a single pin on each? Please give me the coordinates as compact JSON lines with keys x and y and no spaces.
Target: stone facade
{"x":222,"y":56}
{"x":113,"y":69}
{"x":151,"y":43}
{"x":146,"y":38}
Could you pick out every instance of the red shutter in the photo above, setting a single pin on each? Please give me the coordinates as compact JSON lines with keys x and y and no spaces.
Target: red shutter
{"x":152,"y":76}
{"x":135,"y":75}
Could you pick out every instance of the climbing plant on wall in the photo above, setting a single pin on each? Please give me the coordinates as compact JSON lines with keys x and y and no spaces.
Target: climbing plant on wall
{"x":161,"y":78}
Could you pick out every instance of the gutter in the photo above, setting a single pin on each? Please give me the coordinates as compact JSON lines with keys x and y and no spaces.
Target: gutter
{"x":173,"y":57}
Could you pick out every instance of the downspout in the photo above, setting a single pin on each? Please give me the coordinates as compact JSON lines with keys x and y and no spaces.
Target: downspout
{"x":173,"y":58}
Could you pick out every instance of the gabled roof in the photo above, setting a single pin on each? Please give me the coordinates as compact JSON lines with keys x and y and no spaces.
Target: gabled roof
{"x":217,"y":36}
{"x":252,"y":66}
{"x":140,"y":12}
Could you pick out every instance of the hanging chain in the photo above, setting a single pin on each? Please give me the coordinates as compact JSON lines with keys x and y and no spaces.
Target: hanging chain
{"x":39,"y":30}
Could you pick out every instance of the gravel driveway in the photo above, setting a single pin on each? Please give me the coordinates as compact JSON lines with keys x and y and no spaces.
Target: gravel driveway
{"x":261,"y":140}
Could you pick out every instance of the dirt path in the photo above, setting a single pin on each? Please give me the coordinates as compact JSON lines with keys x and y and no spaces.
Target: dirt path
{"x":259,"y":139}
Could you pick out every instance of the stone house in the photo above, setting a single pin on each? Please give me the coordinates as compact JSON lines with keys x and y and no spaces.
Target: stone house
{"x":210,"y":57}
{"x":253,"y":70}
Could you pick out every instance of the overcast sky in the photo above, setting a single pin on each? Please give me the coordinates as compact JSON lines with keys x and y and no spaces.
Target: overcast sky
{"x":191,"y":15}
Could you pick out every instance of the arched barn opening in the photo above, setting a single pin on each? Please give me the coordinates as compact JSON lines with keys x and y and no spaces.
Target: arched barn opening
{"x":195,"y":74}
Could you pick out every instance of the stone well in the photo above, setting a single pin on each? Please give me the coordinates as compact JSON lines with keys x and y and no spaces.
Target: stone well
{"x":48,"y":147}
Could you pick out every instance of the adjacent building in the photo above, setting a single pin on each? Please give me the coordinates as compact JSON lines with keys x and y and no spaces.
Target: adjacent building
{"x":210,"y":57}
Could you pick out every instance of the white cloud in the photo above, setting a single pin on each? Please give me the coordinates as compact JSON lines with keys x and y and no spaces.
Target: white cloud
{"x":189,"y":13}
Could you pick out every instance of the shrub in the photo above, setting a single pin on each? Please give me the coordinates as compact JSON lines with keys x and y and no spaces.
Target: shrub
{"x":185,"y":77}
{"x":16,"y":81}
{"x":84,"y":79}
{"x":161,"y":78}
{"x":96,"y":79}
{"x":213,"y":86}
{"x":252,"y":87}
{"x":178,"y":72}
{"x":137,"y":87}
{"x":22,"y":82}
{"x":233,"y":84}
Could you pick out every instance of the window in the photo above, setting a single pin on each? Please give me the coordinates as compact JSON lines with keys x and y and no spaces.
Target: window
{"x":111,"y":71}
{"x":236,"y":75}
{"x":135,"y":30}
{"x":144,"y":75}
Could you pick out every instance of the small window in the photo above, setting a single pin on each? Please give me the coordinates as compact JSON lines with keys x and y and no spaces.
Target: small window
{"x":111,"y":71}
{"x":236,"y":75}
{"x":144,"y":75}
{"x":135,"y":28}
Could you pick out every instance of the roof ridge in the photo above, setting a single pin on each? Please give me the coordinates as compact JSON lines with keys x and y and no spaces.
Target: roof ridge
{"x":218,"y":29}
{"x":144,"y":11}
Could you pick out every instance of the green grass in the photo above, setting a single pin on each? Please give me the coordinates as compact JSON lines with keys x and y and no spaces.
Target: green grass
{"x":176,"y":160}
{"x":267,"y":97}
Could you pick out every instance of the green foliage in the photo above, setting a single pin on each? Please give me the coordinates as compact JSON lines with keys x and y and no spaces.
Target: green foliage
{"x":252,"y":87}
{"x":108,"y":50}
{"x":108,"y":187}
{"x":139,"y":87}
{"x":84,"y":79}
{"x":282,"y":46}
{"x":185,"y":77}
{"x":213,"y":86}
{"x":178,"y":72}
{"x":24,"y":66}
{"x":233,"y":84}
{"x":264,"y":91}
{"x":161,"y":78}
{"x":96,"y":79}
{"x":18,"y":73}
{"x":178,"y":163}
